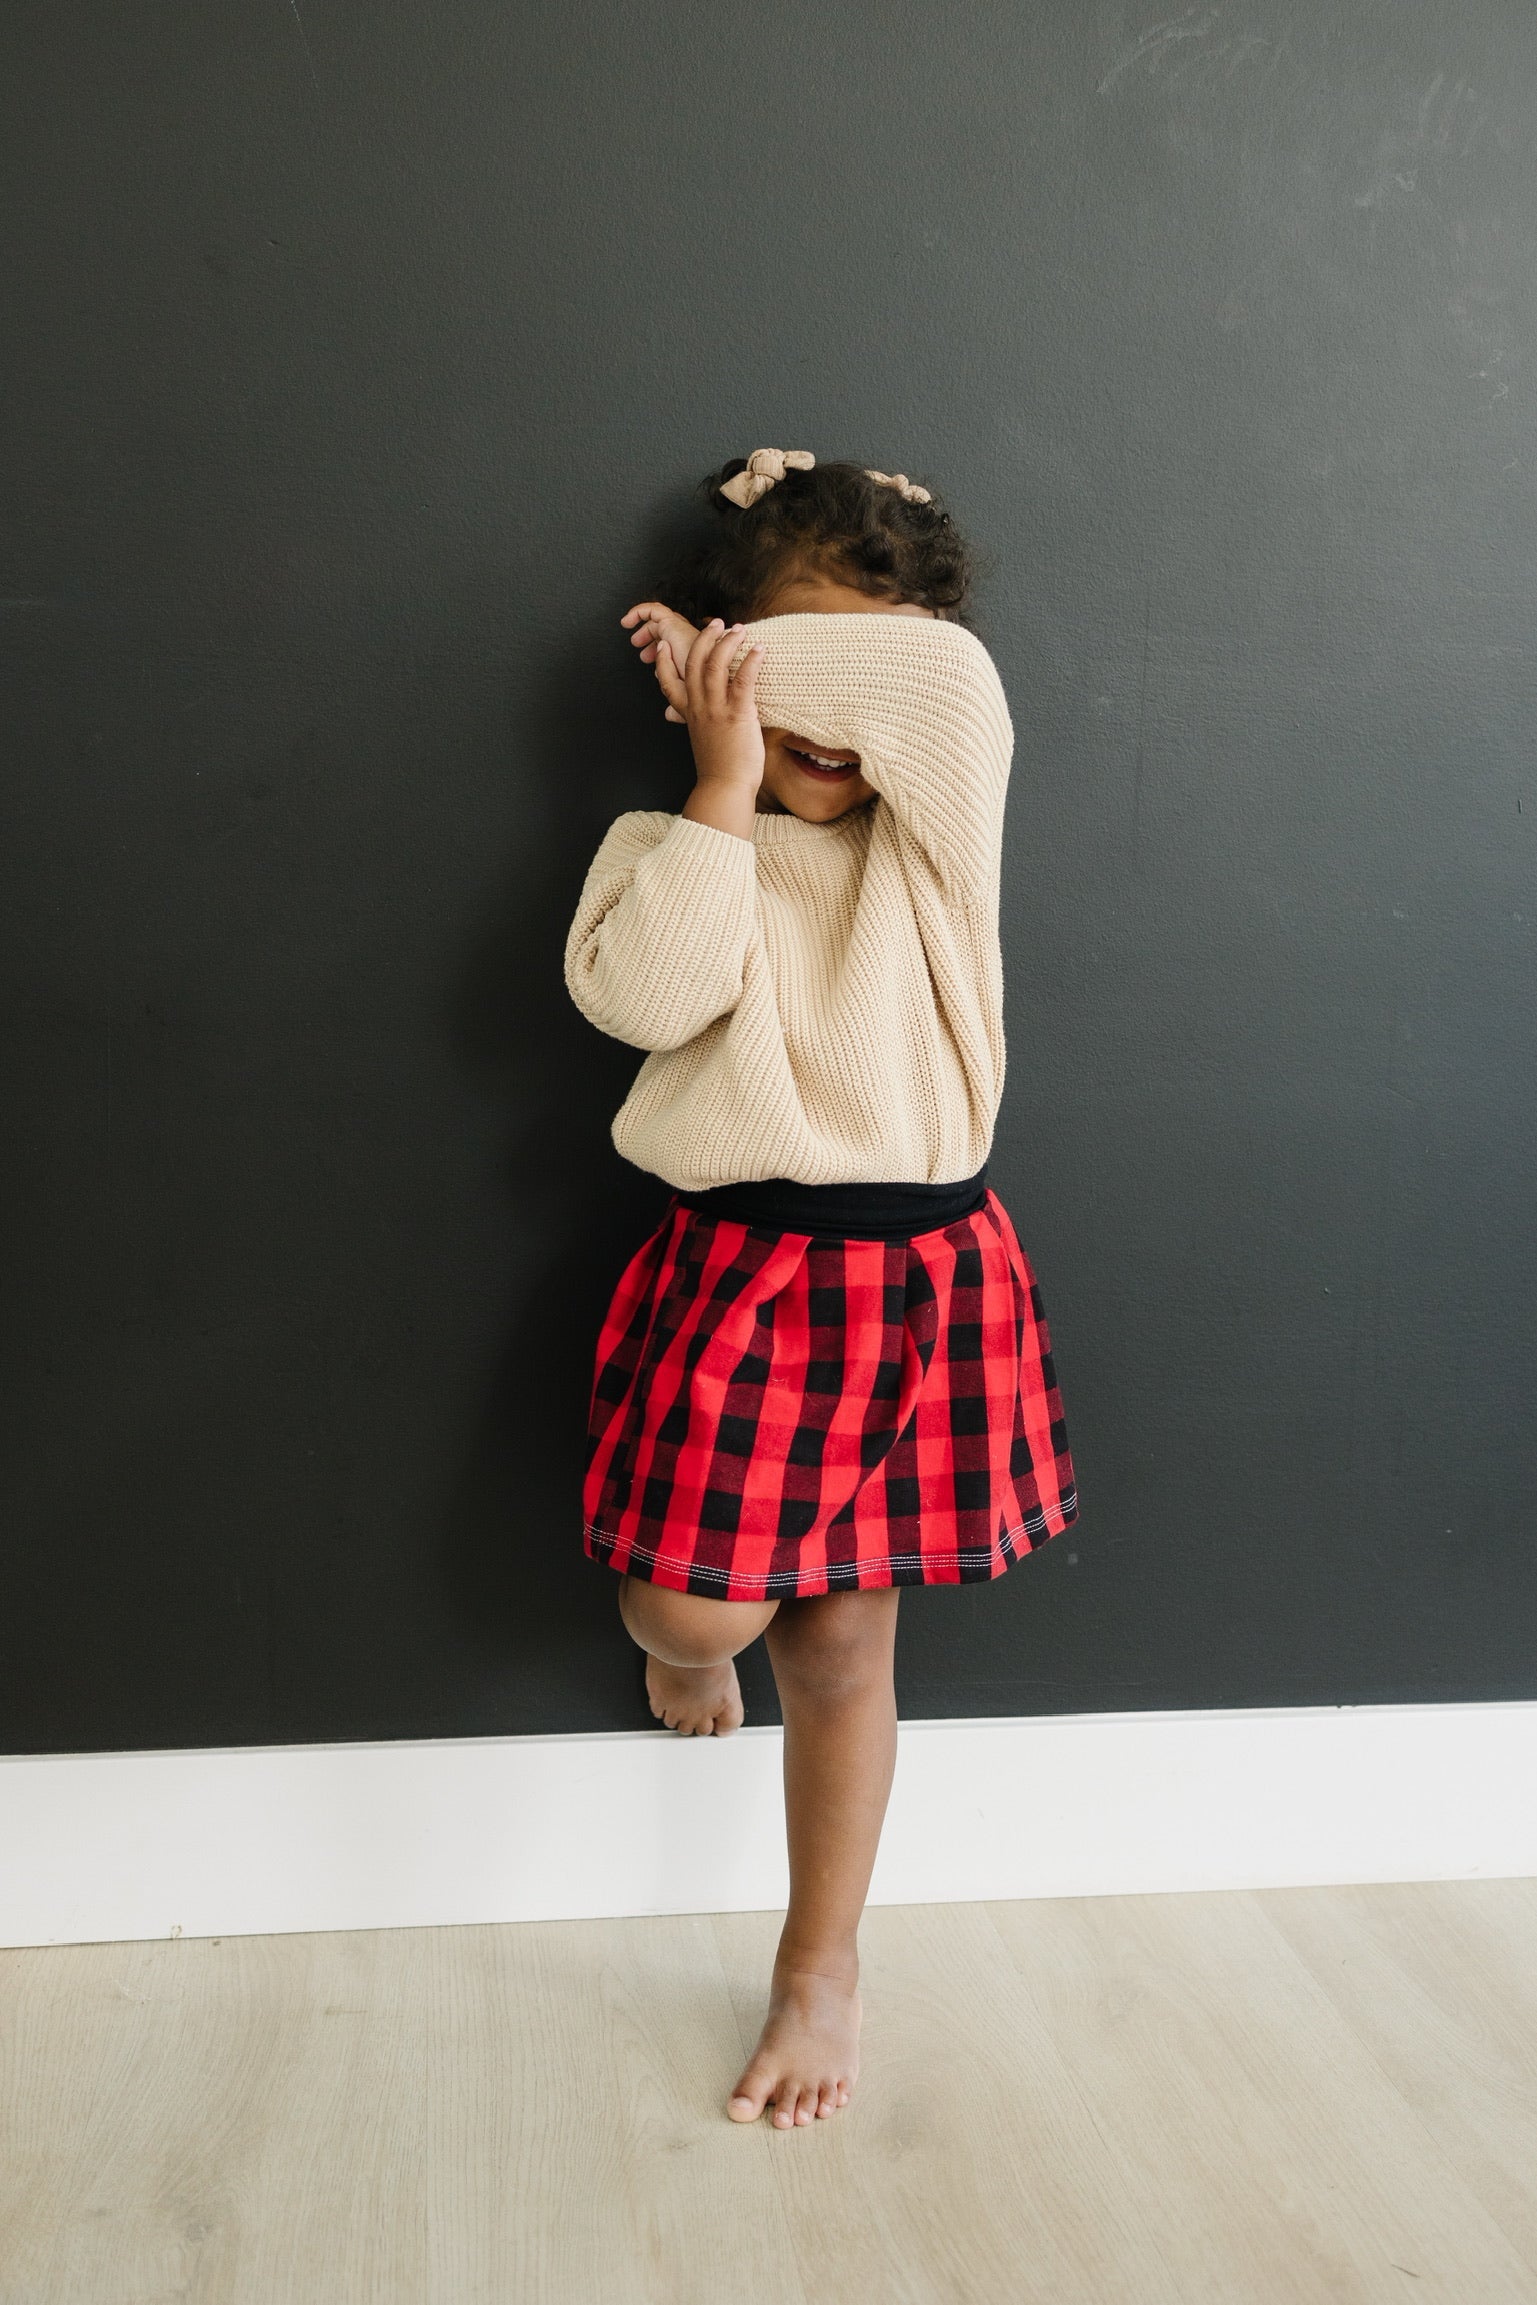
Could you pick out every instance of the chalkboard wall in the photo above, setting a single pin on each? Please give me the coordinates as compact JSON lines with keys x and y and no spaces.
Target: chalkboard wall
{"x":360,"y":358}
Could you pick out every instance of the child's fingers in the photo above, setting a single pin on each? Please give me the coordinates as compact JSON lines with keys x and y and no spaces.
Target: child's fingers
{"x":715,"y":669}
{"x":718,"y":670}
{"x":667,"y":677}
{"x":649,"y":626}
{"x":700,"y":657}
{"x":650,"y":621}
{"x":736,"y":692}
{"x":744,"y":681}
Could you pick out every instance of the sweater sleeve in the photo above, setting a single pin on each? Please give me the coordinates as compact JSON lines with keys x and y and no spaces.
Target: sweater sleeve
{"x":657,"y":947}
{"x":920,"y":701}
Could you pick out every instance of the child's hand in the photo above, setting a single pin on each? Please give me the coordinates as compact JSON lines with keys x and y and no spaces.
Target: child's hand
{"x":722,"y":711}
{"x":666,"y":640}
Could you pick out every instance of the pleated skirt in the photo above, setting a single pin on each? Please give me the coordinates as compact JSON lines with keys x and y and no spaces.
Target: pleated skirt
{"x":775,"y":1415}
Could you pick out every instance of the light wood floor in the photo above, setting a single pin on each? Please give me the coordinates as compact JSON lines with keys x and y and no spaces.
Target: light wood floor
{"x":1302,"y":2095}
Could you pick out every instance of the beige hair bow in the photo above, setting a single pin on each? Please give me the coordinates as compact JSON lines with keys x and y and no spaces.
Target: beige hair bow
{"x":907,"y":489}
{"x":765,"y":466}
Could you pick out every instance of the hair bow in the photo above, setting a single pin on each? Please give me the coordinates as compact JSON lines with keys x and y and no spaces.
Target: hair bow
{"x":765,"y":466}
{"x":908,"y":490}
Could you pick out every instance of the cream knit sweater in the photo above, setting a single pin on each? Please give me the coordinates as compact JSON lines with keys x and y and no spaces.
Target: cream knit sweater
{"x":822,"y":1002}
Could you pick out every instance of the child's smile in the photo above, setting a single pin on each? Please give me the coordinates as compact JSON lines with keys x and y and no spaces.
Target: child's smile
{"x":817,"y":782}
{"x":829,"y":767}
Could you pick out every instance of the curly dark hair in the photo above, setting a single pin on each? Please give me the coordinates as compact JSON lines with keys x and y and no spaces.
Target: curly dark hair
{"x":832,"y":521}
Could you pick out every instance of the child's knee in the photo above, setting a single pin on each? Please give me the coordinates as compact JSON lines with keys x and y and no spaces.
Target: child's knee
{"x":688,"y":1628}
{"x":838,"y":1647}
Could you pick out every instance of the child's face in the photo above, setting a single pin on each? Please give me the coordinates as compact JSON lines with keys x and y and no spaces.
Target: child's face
{"x":793,"y":783}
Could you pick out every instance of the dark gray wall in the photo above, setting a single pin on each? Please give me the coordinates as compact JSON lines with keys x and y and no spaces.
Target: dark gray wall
{"x":358,"y":356}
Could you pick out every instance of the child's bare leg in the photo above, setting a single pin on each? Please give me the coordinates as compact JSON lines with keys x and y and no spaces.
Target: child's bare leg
{"x":832,"y":1659}
{"x":690,"y":1642}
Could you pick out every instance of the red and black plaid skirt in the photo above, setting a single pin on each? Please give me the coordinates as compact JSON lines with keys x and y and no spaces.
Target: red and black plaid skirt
{"x":775,"y":1415}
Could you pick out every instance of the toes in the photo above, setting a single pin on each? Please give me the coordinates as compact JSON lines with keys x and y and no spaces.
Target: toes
{"x":750,"y":2095}
{"x":689,"y":1710}
{"x":794,"y":2106}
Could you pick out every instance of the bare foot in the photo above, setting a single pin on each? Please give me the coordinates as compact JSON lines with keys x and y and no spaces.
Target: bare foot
{"x":807,"y":2058}
{"x":696,"y":1700}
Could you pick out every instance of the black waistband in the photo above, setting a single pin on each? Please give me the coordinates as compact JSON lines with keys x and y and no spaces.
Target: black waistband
{"x":878,"y":1212}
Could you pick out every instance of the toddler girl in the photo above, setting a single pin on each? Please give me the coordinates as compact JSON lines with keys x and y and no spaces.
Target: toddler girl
{"x":827,"y":1373}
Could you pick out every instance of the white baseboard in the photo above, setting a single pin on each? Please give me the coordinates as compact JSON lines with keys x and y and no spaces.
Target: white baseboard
{"x":102,"y":1846}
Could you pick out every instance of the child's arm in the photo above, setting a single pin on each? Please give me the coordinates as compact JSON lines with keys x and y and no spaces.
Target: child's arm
{"x":659,"y":941}
{"x":657,"y":947}
{"x":920,"y":701}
